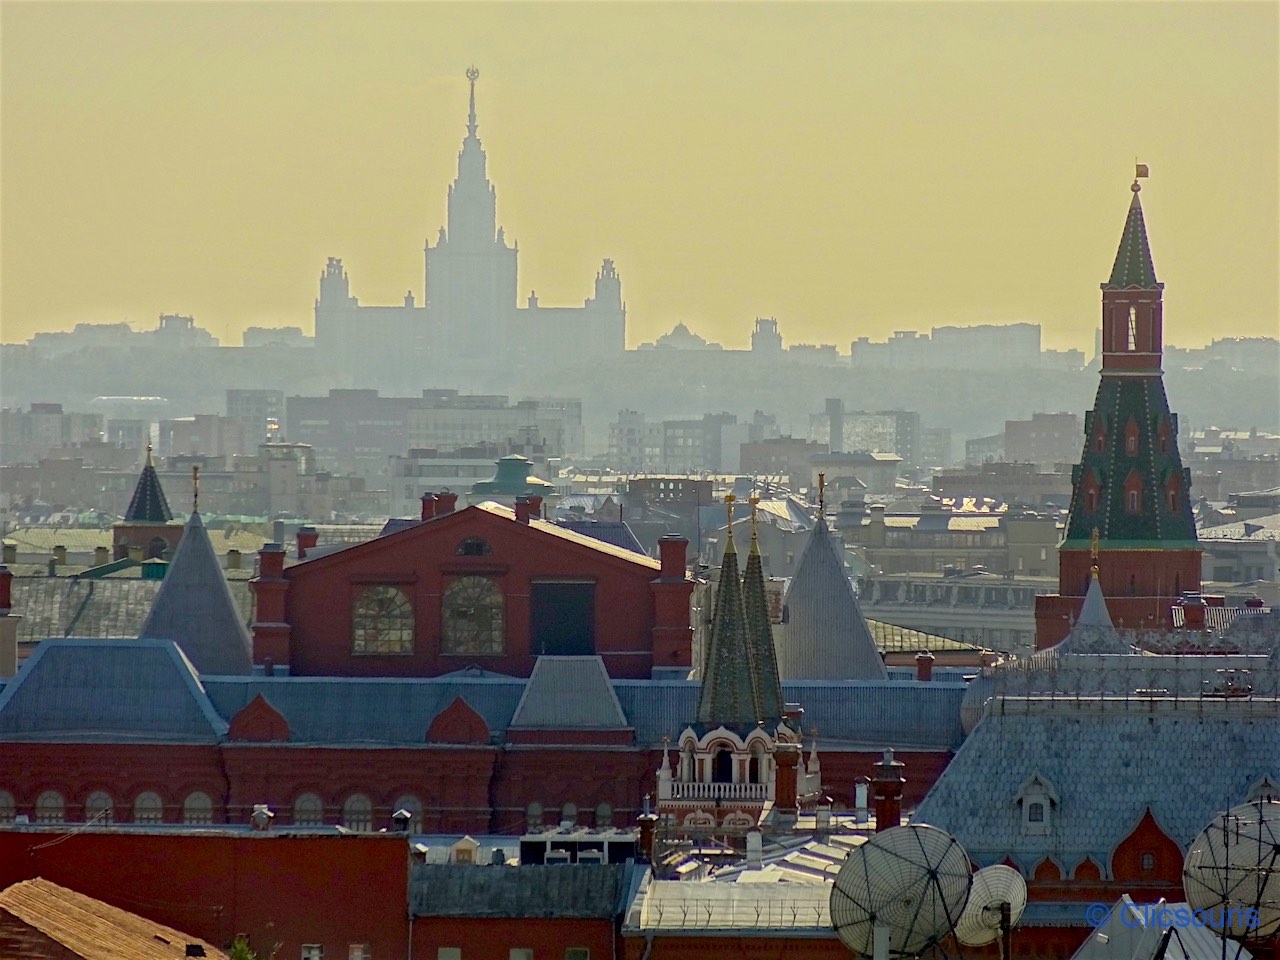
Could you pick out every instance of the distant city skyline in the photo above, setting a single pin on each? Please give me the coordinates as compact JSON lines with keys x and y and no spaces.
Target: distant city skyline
{"x":849,"y":169}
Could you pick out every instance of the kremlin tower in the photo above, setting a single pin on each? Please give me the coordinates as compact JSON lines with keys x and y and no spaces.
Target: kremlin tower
{"x":1130,"y":491}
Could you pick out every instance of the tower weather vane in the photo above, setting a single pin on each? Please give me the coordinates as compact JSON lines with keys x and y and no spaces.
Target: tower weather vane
{"x":1140,"y":172}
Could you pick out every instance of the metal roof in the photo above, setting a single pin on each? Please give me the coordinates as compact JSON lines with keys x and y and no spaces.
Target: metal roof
{"x":194,"y":608}
{"x":559,"y":891}
{"x":565,"y":693}
{"x":1132,"y":932}
{"x":108,"y":690}
{"x":1109,"y":760}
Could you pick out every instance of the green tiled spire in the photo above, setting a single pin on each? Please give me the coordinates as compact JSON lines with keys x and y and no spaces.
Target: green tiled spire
{"x":762,"y":657}
{"x":1133,"y":267}
{"x":728,"y":695}
{"x":148,"y":504}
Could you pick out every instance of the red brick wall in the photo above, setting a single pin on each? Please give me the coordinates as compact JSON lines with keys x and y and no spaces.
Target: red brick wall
{"x":493,"y":939}
{"x":333,"y":891}
{"x":422,"y":561}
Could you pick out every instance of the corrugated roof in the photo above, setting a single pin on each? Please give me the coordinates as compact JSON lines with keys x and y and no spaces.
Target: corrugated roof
{"x":824,"y":634}
{"x":1132,"y":932}
{"x":42,"y":540}
{"x":91,"y":929}
{"x":565,"y":693}
{"x":367,"y":711}
{"x":1108,"y":761}
{"x":195,"y":609}
{"x":98,"y":690}
{"x":615,"y":532}
{"x":683,"y":905}
{"x":559,"y":891}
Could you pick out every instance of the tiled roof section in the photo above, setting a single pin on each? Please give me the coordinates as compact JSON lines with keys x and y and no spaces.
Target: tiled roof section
{"x":40,"y":541}
{"x":368,"y":712}
{"x":1120,"y":402}
{"x":567,"y":693}
{"x":848,"y":715}
{"x":91,"y":929}
{"x":64,"y":606}
{"x":75,"y":690}
{"x":762,"y":657}
{"x":148,"y":504}
{"x":195,"y":609}
{"x":559,"y":891}
{"x":1109,"y":760}
{"x":1133,"y":267}
{"x":825,"y":636}
{"x":892,"y":638}
{"x":615,"y":532}
{"x":728,"y":694}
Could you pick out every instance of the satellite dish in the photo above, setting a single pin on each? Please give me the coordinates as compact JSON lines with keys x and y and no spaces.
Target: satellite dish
{"x":1232,"y":872}
{"x":900,"y":892}
{"x":993,"y":889}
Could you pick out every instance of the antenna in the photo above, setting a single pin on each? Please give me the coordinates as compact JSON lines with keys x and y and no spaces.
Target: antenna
{"x":1232,"y":873}
{"x":996,"y":902}
{"x":900,"y":892}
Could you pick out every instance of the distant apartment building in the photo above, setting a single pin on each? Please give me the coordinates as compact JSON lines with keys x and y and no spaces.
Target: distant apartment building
{"x":260,"y":412}
{"x":421,"y":471}
{"x":635,"y":443}
{"x":781,"y":457}
{"x":206,"y":433}
{"x":884,"y":431}
{"x":935,"y":447}
{"x":1006,"y":483}
{"x":984,"y":347}
{"x":447,"y":420}
{"x":27,"y":436}
{"x":979,"y":450}
{"x":1045,"y":439}
{"x":276,"y":337}
{"x":351,"y":431}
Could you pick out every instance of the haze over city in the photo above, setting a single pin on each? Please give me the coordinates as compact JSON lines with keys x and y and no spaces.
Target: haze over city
{"x":850,"y":169}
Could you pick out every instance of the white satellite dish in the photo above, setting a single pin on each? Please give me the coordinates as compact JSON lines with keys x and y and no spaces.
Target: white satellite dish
{"x":900,"y":892}
{"x":1232,"y":872}
{"x":994,"y":888}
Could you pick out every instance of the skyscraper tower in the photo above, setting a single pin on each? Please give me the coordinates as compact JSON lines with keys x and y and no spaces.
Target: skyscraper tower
{"x":471,"y":270}
{"x":1130,"y":485}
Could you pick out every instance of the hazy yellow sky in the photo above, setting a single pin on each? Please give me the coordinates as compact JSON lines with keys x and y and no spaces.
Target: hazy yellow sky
{"x":850,"y":168}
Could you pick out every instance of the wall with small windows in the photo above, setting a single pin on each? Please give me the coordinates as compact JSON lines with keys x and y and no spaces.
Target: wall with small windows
{"x":478,"y":586}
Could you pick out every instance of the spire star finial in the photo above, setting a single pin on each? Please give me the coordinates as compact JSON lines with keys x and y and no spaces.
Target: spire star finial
{"x":472,"y":75}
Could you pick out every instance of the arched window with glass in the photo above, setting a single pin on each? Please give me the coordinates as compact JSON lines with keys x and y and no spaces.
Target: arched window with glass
{"x":473,"y":617}
{"x":197,"y":808}
{"x":308,"y":810}
{"x":357,"y":813}
{"x":99,"y":808}
{"x":148,"y":808}
{"x":382,"y":622}
{"x":8,"y":809}
{"x":50,"y":807}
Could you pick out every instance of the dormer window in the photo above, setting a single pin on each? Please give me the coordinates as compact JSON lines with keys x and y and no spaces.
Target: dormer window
{"x":1037,"y":799}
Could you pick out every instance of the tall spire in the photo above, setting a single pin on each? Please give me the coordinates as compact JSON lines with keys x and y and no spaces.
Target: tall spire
{"x":148,"y":504}
{"x":1133,"y":267}
{"x":472,"y":75}
{"x":762,"y":658}
{"x":728,"y":695}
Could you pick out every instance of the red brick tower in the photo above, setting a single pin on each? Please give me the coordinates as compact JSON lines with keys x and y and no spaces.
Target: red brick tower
{"x":1130,"y":485}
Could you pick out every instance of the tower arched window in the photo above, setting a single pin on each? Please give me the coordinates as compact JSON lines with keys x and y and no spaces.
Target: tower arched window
{"x":50,"y":807}
{"x":98,"y":807}
{"x":722,"y":766}
{"x":7,"y":807}
{"x":148,"y":808}
{"x":382,"y":622}
{"x":357,"y":813}
{"x":308,"y":810}
{"x":1131,"y":444}
{"x":1133,"y":329}
{"x":197,"y":808}
{"x":1173,"y":501}
{"x":1134,"y":501}
{"x":1091,"y":500}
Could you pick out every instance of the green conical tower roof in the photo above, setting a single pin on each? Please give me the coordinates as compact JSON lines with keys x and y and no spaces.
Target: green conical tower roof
{"x":728,"y":695}
{"x":148,"y":504}
{"x":762,"y":658}
{"x":1133,"y":267}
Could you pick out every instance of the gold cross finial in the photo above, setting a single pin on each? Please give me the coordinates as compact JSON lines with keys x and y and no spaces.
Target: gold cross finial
{"x":728,"y":510}
{"x":1093,"y":545}
{"x":755,"y":502}
{"x":195,"y":488}
{"x":822,"y":493}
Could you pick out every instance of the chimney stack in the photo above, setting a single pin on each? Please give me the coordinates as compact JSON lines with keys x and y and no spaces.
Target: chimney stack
{"x":861,"y":789}
{"x":924,"y":665}
{"x":673,"y":552}
{"x":6,"y":590}
{"x":787,"y":759}
{"x":755,"y":849}
{"x":10,"y":552}
{"x":528,"y":507}
{"x":60,"y":555}
{"x":233,"y":559}
{"x":888,"y":785}
{"x":271,"y":560}
{"x":1192,"y":611}
{"x":307,"y":540}
{"x":428,"y":506}
{"x":101,"y":556}
{"x":445,"y":502}
{"x":648,"y":823}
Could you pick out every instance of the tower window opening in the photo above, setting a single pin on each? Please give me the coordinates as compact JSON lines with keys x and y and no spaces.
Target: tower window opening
{"x":722,"y":767}
{"x":1133,"y":329}
{"x":1091,"y":500}
{"x":1131,"y":444}
{"x":1135,"y":501}
{"x":1173,"y":501}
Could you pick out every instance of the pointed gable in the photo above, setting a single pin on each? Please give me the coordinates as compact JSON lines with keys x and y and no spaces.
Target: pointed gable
{"x":762,"y":658}
{"x":259,"y":721}
{"x":566,"y":693}
{"x":195,"y":609}
{"x":825,"y":636}
{"x":458,"y":723}
{"x":727,"y":696}
{"x":1133,"y":267}
{"x":148,"y":504}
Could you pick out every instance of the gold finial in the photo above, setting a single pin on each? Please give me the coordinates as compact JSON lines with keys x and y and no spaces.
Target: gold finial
{"x":149,"y":463}
{"x":195,"y":488}
{"x":1140,"y":172}
{"x":473,"y":74}
{"x":729,"y":498}
{"x":1093,"y":553}
{"x":822,"y":493}
{"x":755,"y":502}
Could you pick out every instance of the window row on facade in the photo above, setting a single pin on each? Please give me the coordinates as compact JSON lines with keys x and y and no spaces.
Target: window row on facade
{"x":100,"y":807}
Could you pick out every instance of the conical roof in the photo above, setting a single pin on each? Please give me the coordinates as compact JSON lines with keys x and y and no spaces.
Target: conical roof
{"x":825,"y":636}
{"x":148,"y":504}
{"x":1133,"y":267}
{"x":762,"y":658}
{"x":1093,"y":631}
{"x":195,"y":609}
{"x":727,"y":694}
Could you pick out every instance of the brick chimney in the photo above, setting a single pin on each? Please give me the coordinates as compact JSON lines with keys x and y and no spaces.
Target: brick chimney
{"x":428,"y":506}
{"x":8,"y":626}
{"x":1192,"y":611}
{"x":648,"y":824}
{"x":307,"y":539}
{"x":672,"y":631}
{"x":786,"y":758}
{"x":887,"y":784}
{"x":6,"y":589}
{"x":446,"y":502}
{"x":535,"y":506}
{"x":527,"y":508}
{"x":271,"y":629}
{"x":924,"y":665}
